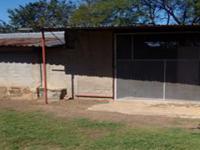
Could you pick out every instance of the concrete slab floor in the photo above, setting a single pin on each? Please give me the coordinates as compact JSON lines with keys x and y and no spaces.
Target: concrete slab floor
{"x":177,"y":109}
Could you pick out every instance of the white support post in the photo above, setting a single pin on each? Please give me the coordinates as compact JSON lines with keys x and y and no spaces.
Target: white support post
{"x":164,"y":78}
{"x":115,"y":67}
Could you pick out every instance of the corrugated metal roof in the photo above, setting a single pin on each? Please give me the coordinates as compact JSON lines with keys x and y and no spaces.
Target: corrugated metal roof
{"x":32,"y":39}
{"x":55,"y":38}
{"x":132,"y":27}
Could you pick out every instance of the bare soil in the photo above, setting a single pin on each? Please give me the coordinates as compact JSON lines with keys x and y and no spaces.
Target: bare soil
{"x":79,"y":109}
{"x":175,"y":109}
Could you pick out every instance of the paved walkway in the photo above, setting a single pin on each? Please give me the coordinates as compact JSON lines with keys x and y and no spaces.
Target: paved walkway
{"x":152,"y":108}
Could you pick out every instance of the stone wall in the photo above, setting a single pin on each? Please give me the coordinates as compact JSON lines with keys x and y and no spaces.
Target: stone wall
{"x":17,"y":93}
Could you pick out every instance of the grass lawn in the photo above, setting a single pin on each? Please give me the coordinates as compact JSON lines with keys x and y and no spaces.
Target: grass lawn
{"x":36,"y":131}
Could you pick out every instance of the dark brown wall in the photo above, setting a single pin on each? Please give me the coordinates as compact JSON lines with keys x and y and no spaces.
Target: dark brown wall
{"x":87,"y":67}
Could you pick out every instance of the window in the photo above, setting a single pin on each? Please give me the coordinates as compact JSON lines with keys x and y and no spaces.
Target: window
{"x":155,"y":47}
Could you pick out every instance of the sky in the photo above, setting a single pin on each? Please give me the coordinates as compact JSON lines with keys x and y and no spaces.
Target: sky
{"x":10,"y":4}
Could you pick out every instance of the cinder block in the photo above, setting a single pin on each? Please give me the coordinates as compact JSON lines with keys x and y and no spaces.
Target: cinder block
{"x":56,"y":94}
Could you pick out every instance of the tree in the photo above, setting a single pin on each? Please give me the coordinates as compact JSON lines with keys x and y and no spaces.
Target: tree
{"x":130,"y":12}
{"x":5,"y":28}
{"x":175,"y":11}
{"x":60,"y":13}
{"x":105,"y":13}
{"x":53,"y":13}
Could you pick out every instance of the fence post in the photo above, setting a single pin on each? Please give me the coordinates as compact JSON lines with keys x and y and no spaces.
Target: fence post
{"x":164,"y":79}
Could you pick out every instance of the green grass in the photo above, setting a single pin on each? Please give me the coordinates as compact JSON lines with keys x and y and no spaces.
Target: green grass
{"x":35,"y":131}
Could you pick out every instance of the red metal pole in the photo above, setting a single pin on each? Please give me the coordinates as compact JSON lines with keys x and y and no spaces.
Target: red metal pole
{"x":44,"y":67}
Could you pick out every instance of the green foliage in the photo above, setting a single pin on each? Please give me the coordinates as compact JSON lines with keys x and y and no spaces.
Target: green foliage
{"x":197,"y":8}
{"x":62,"y":13}
{"x":5,"y":28}
{"x":54,"y":13}
{"x":105,"y":13}
{"x":181,"y":11}
{"x":130,"y":12}
{"x":36,"y":131}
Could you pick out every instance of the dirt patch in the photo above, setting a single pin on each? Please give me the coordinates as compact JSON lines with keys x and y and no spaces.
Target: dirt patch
{"x":168,"y":109}
{"x":79,"y":109}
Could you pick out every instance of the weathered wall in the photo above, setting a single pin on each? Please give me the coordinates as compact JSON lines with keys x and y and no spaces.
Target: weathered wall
{"x":95,"y":59}
{"x":85,"y":70}
{"x":19,"y":72}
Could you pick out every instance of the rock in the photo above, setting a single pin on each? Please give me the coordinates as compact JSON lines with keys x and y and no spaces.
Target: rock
{"x":3,"y":92}
{"x":15,"y":92}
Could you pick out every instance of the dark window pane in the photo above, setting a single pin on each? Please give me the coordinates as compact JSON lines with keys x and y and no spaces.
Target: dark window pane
{"x":124,"y":46}
{"x":147,"y":47}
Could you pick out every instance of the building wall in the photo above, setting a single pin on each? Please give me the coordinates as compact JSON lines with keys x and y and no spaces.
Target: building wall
{"x":96,"y":77}
{"x":85,"y":70}
{"x":173,"y":74}
{"x":19,"y":72}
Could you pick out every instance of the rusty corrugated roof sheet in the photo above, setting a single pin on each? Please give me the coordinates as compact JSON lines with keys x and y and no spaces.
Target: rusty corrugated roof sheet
{"x":30,"y":42}
{"x":31,"y":39}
